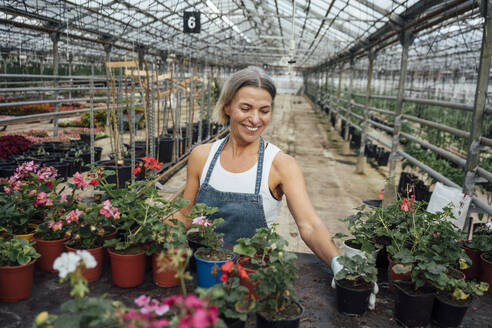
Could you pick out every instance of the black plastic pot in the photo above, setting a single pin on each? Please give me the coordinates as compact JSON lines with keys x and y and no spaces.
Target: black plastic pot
{"x":165,"y":149}
{"x":262,"y":322}
{"x":194,"y":247}
{"x":6,"y":171}
{"x":352,"y":301}
{"x":445,"y":314}
{"x":124,"y":172}
{"x":413,"y":310}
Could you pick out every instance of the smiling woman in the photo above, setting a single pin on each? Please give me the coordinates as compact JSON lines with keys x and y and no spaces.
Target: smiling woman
{"x":245,"y":177}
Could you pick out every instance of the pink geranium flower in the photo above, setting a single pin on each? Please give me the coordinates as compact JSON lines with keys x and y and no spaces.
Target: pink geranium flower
{"x":41,"y":199}
{"x":55,"y":226}
{"x":78,"y":180}
{"x":73,"y":216}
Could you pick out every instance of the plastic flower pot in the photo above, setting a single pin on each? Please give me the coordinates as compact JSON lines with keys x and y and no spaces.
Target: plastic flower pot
{"x":351,"y":251}
{"x":95,"y":273}
{"x":49,"y":251}
{"x":448,"y":314}
{"x":474,"y":271}
{"x":487,"y":269}
{"x":350,"y":300}
{"x":263,"y":322}
{"x":166,"y":277}
{"x":127,"y":270}
{"x":412,"y":309}
{"x":205,"y":268}
{"x":233,"y":323}
{"x":16,"y":282}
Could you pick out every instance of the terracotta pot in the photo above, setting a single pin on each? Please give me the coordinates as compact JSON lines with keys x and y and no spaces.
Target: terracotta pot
{"x":109,"y":236}
{"x":95,"y":273}
{"x":49,"y":251}
{"x":474,"y":271}
{"x":486,"y":271}
{"x":127,"y":270}
{"x":392,"y":276}
{"x":29,"y":236}
{"x":16,"y":282}
{"x":166,"y":277}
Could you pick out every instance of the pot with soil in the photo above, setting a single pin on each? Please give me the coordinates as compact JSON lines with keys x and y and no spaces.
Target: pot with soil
{"x":208,"y":262}
{"x":127,"y":266}
{"x":195,"y":241}
{"x":287,"y":318}
{"x":449,"y":312}
{"x":92,"y":274}
{"x":487,"y":269}
{"x":124,"y":171}
{"x":352,"y":248}
{"x":354,"y":283}
{"x":49,"y":251}
{"x":394,"y":277}
{"x":413,"y":308}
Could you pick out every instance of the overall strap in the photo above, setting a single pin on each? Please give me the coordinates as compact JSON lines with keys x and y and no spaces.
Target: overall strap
{"x":214,"y":160}
{"x":259,"y":169}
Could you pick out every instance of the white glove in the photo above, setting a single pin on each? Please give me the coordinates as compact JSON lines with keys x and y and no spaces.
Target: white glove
{"x":336,"y":266}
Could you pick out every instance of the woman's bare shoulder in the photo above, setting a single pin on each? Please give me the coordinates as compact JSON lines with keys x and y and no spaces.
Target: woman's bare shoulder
{"x":198,"y":156}
{"x":285,"y":166}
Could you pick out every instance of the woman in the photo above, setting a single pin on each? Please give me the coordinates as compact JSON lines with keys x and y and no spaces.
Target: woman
{"x":245,"y":177}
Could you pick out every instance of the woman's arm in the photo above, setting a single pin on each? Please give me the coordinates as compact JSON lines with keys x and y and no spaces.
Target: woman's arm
{"x":313,"y":232}
{"x":196,"y":162}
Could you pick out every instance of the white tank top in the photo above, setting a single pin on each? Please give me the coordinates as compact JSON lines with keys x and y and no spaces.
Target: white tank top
{"x":244,"y":182}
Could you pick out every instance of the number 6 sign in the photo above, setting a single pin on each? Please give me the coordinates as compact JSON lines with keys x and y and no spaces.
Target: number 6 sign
{"x":191,"y":22}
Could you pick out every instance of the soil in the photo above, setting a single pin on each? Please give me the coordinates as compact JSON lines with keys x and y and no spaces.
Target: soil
{"x":351,"y":243}
{"x":449,"y":299}
{"x":360,"y":285}
{"x":210,"y":254}
{"x":291,"y":311}
{"x":409,"y":288}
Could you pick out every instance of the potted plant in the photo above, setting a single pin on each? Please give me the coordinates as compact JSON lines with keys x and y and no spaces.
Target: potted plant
{"x":60,"y":213}
{"x":139,"y":205}
{"x":231,"y":297}
{"x":275,"y":289}
{"x":213,"y":255}
{"x":17,"y":258}
{"x":354,"y":283}
{"x":166,"y":238}
{"x":453,"y":299}
{"x":27,"y":188}
{"x":198,"y":234}
{"x":255,"y":252}
{"x":486,"y":256}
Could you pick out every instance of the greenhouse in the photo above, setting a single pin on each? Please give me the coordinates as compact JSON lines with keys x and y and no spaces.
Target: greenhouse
{"x":245,"y":163}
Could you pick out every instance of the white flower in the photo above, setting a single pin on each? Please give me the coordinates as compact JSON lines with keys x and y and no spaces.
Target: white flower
{"x":489,"y":225}
{"x":89,"y":260}
{"x":66,"y":263}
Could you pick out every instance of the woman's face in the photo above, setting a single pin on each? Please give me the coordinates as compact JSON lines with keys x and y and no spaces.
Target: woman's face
{"x":249,"y":112}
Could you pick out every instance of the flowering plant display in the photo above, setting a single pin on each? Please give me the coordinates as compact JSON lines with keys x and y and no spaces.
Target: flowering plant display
{"x":13,"y":145}
{"x":29,"y":195}
{"x":233,"y":299}
{"x":177,"y":311}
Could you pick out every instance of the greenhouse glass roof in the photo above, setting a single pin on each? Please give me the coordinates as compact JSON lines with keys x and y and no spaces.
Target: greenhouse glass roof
{"x":272,"y":32}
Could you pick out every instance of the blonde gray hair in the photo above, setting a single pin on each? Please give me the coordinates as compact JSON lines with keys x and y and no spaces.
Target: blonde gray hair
{"x":250,"y":76}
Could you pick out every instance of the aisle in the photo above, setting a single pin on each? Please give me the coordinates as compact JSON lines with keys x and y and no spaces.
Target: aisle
{"x":335,"y":190}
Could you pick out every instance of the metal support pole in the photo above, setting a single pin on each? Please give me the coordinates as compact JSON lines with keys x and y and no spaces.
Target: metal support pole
{"x":480,"y":101}
{"x":55,"y":37}
{"x":202,"y":101}
{"x":133,"y":132}
{"x":361,"y":159}
{"x":338,"y":125}
{"x":346,"y":143}
{"x":92,"y":114}
{"x":152,"y":143}
{"x":209,"y":96}
{"x":406,"y":39}
{"x":191,"y":105}
{"x":107,"y":50}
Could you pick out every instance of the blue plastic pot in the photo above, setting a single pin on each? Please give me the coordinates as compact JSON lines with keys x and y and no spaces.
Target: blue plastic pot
{"x":204,"y":269}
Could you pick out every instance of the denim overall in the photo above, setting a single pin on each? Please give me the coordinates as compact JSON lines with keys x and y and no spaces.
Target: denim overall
{"x":242,"y":212}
